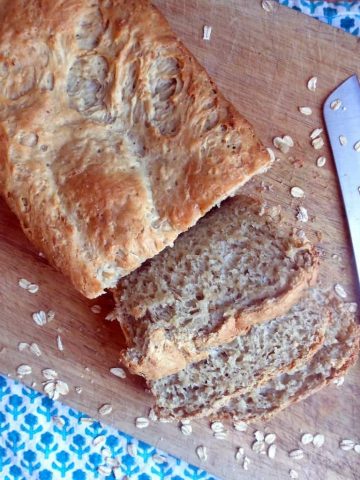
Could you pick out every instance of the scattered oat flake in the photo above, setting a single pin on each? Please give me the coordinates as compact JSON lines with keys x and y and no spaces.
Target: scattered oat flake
{"x":317,"y":143}
{"x":95,"y":309}
{"x":142,"y":422}
{"x":24,"y":370}
{"x":23,"y":283}
{"x":293,"y":474}
{"x":49,"y":374}
{"x":246,"y":463}
{"x":111,"y":316}
{"x":297,"y":192}
{"x":339,"y":381}
{"x":258,"y":446}
{"x":105,"y":470}
{"x":312,"y":84}
{"x":201,"y":452}
{"x":271,"y":154}
{"x":357,"y":146}
{"x":35,"y":349}
{"x":207,"y":32}
{"x":272,"y":451}
{"x":240,"y":426}
{"x":51,"y":390}
{"x":99,"y":440}
{"x":118,"y":372}
{"x":33,"y":288}
{"x":186,"y":429}
{"x":39,"y":318}
{"x":283,"y":144}
{"x":342,"y":140}
{"x":220,"y":435}
{"x":105,"y":409}
{"x":270,"y":438}
{"x":316,"y":133}
{"x":268,"y":6}
{"x":340,"y":291}
{"x":302,"y":214}
{"x":335,"y":104}
{"x":185,"y":421}
{"x":305,"y":110}
{"x":50,"y":315}
{"x":78,"y":390}
{"x":307,"y":438}
{"x":62,"y":387}
{"x":296,"y":454}
{"x":288,"y":140}
{"x":239,"y":453}
{"x":357,"y":448}
{"x":320,"y":162}
{"x":319,"y":440}
{"x":217,"y":427}
{"x":259,"y":436}
{"x":59,"y":343}
{"x":23,"y":346}
{"x":347,"y":444}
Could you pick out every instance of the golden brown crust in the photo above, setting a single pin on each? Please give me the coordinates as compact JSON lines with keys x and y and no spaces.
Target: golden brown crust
{"x":116,"y":139}
{"x":152,"y":366}
{"x":268,"y":375}
{"x":242,"y":321}
{"x":172,"y":356}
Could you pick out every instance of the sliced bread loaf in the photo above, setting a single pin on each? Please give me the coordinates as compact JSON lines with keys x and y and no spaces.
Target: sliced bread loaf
{"x":240,"y":366}
{"x":234,"y":269}
{"x":338,"y":353}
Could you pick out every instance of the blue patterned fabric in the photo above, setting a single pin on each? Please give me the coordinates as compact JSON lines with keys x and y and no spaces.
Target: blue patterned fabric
{"x":36,"y":445}
{"x":341,"y":14}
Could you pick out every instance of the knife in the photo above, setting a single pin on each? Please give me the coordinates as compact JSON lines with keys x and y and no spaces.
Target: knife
{"x":342,"y":118}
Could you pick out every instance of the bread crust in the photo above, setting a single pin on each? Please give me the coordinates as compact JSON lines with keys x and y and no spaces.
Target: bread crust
{"x":268,"y":375}
{"x":172,"y":356}
{"x":114,"y":139}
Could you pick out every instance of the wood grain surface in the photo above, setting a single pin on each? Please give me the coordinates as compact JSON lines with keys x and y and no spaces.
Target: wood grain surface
{"x":262,"y":62}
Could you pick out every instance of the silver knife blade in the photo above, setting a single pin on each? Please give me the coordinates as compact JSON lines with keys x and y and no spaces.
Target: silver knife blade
{"x":344,"y":120}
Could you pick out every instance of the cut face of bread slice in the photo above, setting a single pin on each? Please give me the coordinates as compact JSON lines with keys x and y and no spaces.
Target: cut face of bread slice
{"x":250,"y":360}
{"x":113,"y":139}
{"x":339,"y":352}
{"x":234,"y":269}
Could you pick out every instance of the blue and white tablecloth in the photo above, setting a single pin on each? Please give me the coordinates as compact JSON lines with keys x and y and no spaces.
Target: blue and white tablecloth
{"x":44,"y":440}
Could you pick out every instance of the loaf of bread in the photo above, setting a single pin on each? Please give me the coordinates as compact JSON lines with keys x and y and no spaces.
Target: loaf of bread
{"x":113,"y":139}
{"x":246,"y":363}
{"x":237,"y":267}
{"x":338,"y":353}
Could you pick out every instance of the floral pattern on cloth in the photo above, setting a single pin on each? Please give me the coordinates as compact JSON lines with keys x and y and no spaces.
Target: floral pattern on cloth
{"x":340,"y":14}
{"x":41,"y":439}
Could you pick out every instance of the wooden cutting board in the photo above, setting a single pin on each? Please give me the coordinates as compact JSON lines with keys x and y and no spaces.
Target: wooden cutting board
{"x":262,"y":61}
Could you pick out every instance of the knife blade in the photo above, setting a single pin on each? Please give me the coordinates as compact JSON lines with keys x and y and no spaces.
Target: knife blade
{"x":341,"y":112}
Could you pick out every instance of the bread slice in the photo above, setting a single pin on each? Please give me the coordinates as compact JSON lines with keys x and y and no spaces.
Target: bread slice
{"x":338,"y":353}
{"x":250,"y":360}
{"x":113,"y":139}
{"x":234,"y":269}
